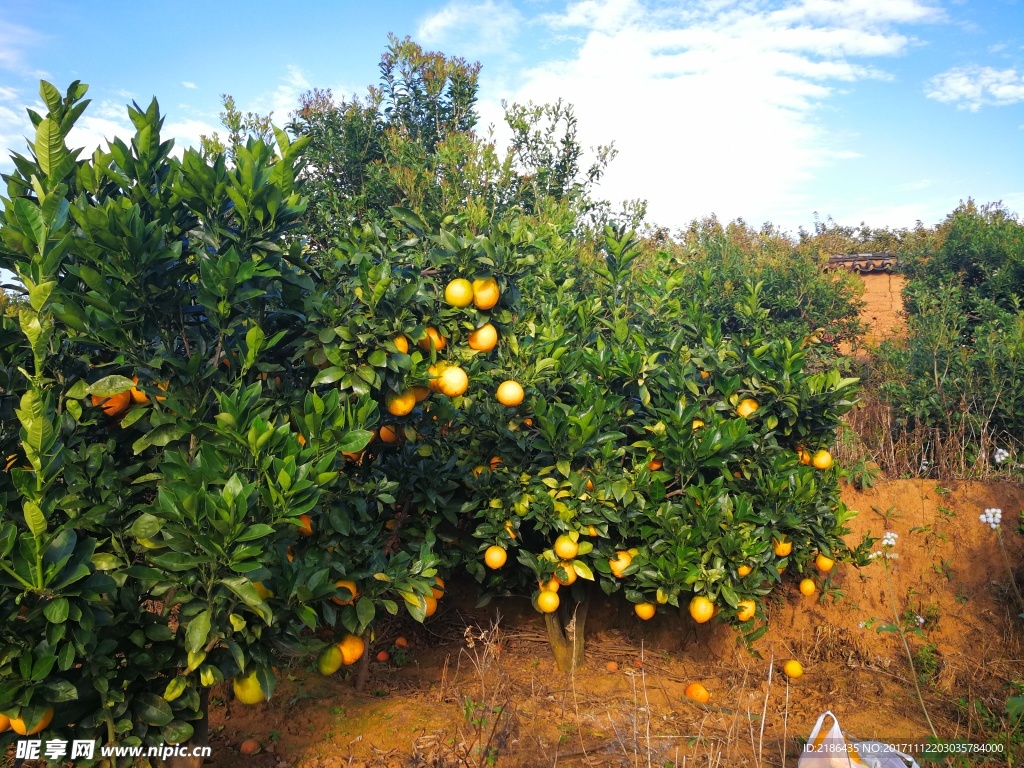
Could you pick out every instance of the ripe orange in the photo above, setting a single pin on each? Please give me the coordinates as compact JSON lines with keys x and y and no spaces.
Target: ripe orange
{"x":510,"y":393}
{"x":454,"y":381}
{"x":137,"y":395}
{"x":793,"y":669}
{"x":306,"y":527}
{"x":402,"y":403}
{"x":302,"y":440}
{"x":697,"y":424}
{"x":552,"y":584}
{"x":402,"y":343}
{"x":565,"y":574}
{"x":744,"y":570}
{"x":434,"y":374}
{"x":484,"y":338}
{"x":352,"y":589}
{"x":486,"y":293}
{"x":431,"y":602}
{"x":383,"y":656}
{"x":352,"y":648}
{"x":824,"y":564}
{"x":644,"y":610}
{"x":590,"y":485}
{"x":620,"y":563}
{"x":421,"y":393}
{"x":496,"y":462}
{"x":389,"y":434}
{"x":746,"y":610}
{"x":565,"y":547}
{"x":822,"y":459}
{"x":547,"y":601}
{"x":247,"y":689}
{"x":701,"y":609}
{"x":438,"y":589}
{"x":290,"y":554}
{"x":401,"y":642}
{"x":459,"y":292}
{"x":746,"y":407}
{"x":433,"y":337}
{"x":114,"y":405}
{"x":611,"y":666}
{"x":803,"y":455}
{"x":495,"y":557}
{"x":807,"y":587}
{"x":704,"y":374}
{"x":19,"y":727}
{"x":249,"y":747}
{"x":783,"y":548}
{"x":655,"y":464}
{"x":697,"y":692}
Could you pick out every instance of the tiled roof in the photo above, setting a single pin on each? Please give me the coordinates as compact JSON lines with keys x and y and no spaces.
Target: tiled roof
{"x":864,"y":262}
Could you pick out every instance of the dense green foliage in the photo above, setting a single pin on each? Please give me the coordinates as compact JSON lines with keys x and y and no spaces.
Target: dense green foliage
{"x":195,"y":397}
{"x":956,"y":380}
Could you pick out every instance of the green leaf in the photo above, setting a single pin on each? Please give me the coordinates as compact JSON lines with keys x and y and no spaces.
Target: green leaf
{"x":152,"y":709}
{"x":30,"y":218}
{"x":58,"y":690}
{"x":50,"y":95}
{"x":197,"y":632}
{"x":582,"y":570}
{"x":49,"y":146}
{"x":177,"y":732}
{"x":39,"y":294}
{"x":175,"y":688}
{"x":34,"y":518}
{"x":258,"y":531}
{"x":365,"y":611}
{"x":110,"y":385}
{"x":146,"y":526}
{"x":243,"y":587}
{"x":329,"y":375}
{"x":104,"y":561}
{"x":56,"y":611}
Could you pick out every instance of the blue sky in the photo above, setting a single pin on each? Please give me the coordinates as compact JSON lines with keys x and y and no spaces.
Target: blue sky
{"x":881,"y":111}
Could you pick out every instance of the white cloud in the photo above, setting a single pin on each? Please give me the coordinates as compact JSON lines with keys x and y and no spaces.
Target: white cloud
{"x":974,"y":86}
{"x":713,"y":106}
{"x":15,"y":39}
{"x":284,"y":99}
{"x":471,"y":28}
{"x":188,"y":84}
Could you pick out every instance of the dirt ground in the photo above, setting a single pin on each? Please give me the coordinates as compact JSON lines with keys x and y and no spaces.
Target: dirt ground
{"x":950,"y":572}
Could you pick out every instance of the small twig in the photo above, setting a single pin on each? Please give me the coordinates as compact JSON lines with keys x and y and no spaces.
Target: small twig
{"x":764,"y":709}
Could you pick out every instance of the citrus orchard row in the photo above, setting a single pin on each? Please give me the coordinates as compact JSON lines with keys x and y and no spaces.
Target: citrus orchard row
{"x":228,"y":450}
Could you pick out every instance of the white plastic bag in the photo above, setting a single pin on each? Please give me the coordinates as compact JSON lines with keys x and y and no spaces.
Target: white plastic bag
{"x":831,"y":749}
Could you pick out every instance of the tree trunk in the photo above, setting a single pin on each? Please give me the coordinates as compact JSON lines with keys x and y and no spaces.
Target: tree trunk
{"x":363,"y":670}
{"x":566,"y":632}
{"x":200,"y":737}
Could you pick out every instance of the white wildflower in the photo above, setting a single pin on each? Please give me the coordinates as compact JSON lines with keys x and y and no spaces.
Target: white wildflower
{"x":992,"y":517}
{"x":1000,"y":455}
{"x":920,"y":620}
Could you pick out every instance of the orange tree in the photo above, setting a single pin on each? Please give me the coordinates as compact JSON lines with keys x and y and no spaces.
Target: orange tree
{"x":175,"y":506}
{"x":652,"y":452}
